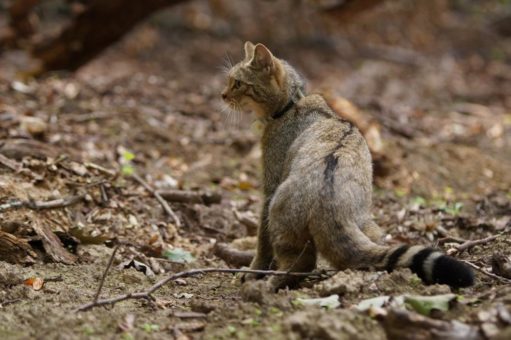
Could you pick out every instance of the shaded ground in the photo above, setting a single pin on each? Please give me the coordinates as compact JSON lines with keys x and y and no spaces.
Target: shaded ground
{"x":446,"y":129}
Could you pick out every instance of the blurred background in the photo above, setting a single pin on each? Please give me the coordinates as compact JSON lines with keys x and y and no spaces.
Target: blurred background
{"x":419,"y":72}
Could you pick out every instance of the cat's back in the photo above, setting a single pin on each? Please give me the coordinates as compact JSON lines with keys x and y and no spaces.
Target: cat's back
{"x":328,"y":134}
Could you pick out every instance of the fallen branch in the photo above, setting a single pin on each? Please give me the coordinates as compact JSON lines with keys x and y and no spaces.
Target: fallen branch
{"x":41,"y":205}
{"x":147,"y":294}
{"x":471,"y":243}
{"x":9,"y":163}
{"x":185,"y":196}
{"x":234,"y":257}
{"x":105,"y":273}
{"x":158,"y":197}
{"x":487,"y":273}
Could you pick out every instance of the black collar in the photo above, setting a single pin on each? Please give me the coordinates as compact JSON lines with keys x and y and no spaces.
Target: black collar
{"x":286,"y":108}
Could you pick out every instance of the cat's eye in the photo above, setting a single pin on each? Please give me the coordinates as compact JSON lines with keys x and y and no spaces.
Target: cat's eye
{"x":236,"y":84}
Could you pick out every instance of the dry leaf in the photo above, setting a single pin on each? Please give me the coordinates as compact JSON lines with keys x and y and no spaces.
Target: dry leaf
{"x":36,"y":282}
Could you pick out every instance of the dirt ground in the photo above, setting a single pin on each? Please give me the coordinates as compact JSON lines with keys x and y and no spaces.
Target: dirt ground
{"x":150,"y":105}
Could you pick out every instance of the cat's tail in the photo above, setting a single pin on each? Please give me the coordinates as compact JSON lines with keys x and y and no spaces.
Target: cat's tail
{"x":431,"y":265}
{"x":353,"y":249}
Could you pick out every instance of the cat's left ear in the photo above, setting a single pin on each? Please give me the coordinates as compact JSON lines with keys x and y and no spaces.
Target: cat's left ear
{"x":249,"y":50}
{"x":263,"y":59}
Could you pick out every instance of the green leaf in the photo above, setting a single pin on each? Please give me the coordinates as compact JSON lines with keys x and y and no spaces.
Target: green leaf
{"x":179,"y":255}
{"x":150,"y":327}
{"x":425,"y":304}
{"x":231,"y":329}
{"x":454,"y":209}
{"x":418,"y":200}
{"x":128,"y":156}
{"x":127,"y":170}
{"x":329,"y":302}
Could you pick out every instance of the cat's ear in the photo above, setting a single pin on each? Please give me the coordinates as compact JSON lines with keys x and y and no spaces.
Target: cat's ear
{"x":262,"y":59}
{"x":249,"y":50}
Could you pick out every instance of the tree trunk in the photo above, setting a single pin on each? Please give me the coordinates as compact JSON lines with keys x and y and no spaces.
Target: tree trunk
{"x":101,"y":24}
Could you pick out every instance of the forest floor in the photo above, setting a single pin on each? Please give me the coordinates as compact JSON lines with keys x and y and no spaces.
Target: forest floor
{"x":151,"y":106}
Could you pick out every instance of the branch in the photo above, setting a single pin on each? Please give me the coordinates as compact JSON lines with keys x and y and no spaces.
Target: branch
{"x":487,"y":273}
{"x":184,"y":196}
{"x":147,"y":294}
{"x":110,"y":261}
{"x":40,"y":205}
{"x":160,"y":199}
{"x":471,"y":243}
{"x":233,"y":256}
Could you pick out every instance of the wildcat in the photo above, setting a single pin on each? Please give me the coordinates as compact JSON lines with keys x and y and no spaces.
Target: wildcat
{"x":317,"y":182}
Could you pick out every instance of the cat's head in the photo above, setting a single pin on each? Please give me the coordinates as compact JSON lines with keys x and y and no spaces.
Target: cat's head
{"x":260,"y":82}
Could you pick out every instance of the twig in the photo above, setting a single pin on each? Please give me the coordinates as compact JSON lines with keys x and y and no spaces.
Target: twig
{"x":186,"y":196}
{"x":451,"y":239}
{"x":105,"y":273}
{"x":40,"y":205}
{"x":147,"y":294}
{"x":471,"y":243}
{"x":104,"y":170}
{"x":487,"y":273}
{"x":9,"y":163}
{"x":233,"y":256}
{"x":158,"y":197}
{"x":57,"y":278}
{"x":9,"y":302}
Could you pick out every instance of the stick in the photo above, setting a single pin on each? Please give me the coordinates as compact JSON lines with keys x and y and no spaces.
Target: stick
{"x":158,"y":197}
{"x":9,"y":163}
{"x":233,"y":256}
{"x":147,"y":294}
{"x":40,"y":205}
{"x":485,"y":272}
{"x":185,"y":196}
{"x":104,"y":170}
{"x":110,"y":261}
{"x":451,"y":239}
{"x":469,"y":244}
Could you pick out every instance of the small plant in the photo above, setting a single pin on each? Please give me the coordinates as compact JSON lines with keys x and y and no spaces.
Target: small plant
{"x":127,"y":168}
{"x":150,"y":327}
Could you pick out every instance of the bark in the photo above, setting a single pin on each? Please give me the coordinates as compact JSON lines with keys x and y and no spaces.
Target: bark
{"x":20,"y":17}
{"x":101,"y":24}
{"x":15,"y":250}
{"x":52,"y":244}
{"x":348,"y":9}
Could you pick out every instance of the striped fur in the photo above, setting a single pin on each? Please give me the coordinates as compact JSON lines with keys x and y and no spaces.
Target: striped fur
{"x":317,"y":182}
{"x":431,"y":265}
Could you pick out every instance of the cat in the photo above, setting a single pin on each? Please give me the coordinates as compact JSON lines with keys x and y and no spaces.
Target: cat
{"x":317,"y":182}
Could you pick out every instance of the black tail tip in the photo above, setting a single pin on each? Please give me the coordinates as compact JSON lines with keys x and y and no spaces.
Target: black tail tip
{"x":452,"y":272}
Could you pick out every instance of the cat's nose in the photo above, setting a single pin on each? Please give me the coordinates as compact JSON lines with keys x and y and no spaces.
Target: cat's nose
{"x":224,"y":95}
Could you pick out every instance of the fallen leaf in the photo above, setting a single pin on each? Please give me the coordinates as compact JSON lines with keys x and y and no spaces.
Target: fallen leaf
{"x":35,"y":282}
{"x":425,"y":304}
{"x":329,"y":302}
{"x":179,"y":255}
{"x":139,"y":266}
{"x":379,"y":302}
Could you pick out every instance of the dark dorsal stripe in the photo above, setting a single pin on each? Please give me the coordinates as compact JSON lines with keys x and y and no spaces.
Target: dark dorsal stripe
{"x":394,"y":257}
{"x":286,"y":108}
{"x":329,"y":173}
{"x":418,"y":263}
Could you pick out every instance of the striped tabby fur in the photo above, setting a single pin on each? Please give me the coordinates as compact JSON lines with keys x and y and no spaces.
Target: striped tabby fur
{"x":317,"y":173}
